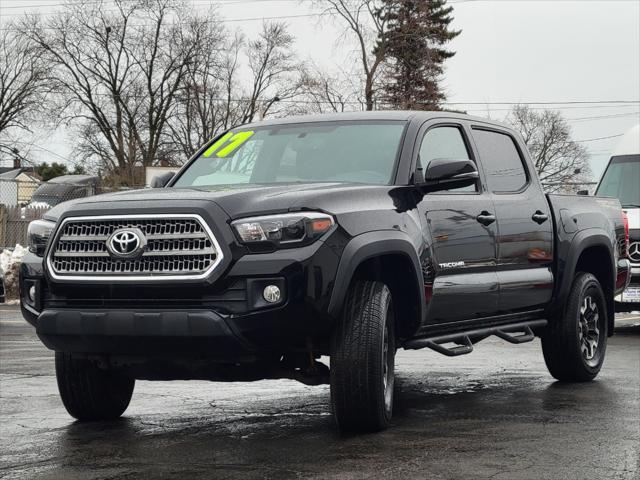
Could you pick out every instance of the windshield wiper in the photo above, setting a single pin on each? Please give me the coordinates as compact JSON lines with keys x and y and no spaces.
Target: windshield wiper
{"x":631,"y":205}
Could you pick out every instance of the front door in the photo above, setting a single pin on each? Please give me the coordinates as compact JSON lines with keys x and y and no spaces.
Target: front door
{"x":461,"y":226}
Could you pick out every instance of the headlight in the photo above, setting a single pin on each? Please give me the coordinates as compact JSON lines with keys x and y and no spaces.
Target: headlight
{"x":38,"y":235}
{"x":288,"y":229}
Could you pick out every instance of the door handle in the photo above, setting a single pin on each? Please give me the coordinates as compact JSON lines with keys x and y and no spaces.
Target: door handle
{"x":486,"y":218}
{"x":539,"y":217}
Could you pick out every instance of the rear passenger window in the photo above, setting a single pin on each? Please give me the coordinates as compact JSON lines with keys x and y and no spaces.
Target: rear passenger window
{"x":501,"y":161}
{"x":444,"y":142}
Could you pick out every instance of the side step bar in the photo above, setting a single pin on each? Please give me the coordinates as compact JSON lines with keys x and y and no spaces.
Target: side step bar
{"x":513,"y":333}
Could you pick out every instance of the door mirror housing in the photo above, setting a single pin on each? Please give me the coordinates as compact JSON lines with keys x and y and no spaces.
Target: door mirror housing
{"x":447,"y":173}
{"x":160,"y":181}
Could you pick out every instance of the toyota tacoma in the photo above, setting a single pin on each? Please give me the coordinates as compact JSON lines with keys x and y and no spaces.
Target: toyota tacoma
{"x":348,"y":236}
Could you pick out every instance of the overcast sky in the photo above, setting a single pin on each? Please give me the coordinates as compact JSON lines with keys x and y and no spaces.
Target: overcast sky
{"x":509,"y":51}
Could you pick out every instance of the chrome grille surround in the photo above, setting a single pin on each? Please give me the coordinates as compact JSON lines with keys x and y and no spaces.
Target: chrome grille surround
{"x":180,"y":247}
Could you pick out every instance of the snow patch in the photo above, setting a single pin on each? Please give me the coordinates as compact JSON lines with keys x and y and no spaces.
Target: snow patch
{"x":10,"y":260}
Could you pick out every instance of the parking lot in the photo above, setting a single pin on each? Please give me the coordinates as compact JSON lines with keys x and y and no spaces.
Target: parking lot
{"x":496,"y":414}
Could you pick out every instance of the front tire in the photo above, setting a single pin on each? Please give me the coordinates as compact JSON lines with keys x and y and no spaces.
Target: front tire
{"x":89,"y":392}
{"x":362,"y":359}
{"x":574,"y":344}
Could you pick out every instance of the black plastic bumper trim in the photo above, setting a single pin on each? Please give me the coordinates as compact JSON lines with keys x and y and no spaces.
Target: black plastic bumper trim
{"x":131,"y":323}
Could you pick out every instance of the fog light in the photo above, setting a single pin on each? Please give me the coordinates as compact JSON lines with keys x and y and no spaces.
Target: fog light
{"x":271,"y":293}
{"x":32,"y":294}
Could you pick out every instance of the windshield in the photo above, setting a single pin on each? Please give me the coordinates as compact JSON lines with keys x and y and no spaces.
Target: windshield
{"x":358,"y":152}
{"x":622,"y":180}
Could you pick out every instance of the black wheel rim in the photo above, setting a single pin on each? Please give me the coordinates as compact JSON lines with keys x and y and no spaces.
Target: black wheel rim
{"x":589,"y":330}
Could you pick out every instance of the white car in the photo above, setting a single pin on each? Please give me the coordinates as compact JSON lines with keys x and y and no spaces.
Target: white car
{"x":621,"y":179}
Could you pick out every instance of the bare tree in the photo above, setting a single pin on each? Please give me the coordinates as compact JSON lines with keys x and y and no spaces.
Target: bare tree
{"x":204,"y":101}
{"x":92,"y":70}
{"x":560,"y":161}
{"x":364,"y":23}
{"x":323,"y":93}
{"x":213,"y":97}
{"x":118,"y":67}
{"x":163,"y":54}
{"x":22,"y":86}
{"x":274,"y":70}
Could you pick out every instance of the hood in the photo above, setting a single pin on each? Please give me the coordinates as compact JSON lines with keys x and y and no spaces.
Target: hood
{"x":239,"y":201}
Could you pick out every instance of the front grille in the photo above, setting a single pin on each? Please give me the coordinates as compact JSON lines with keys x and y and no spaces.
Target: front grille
{"x":172,"y":246}
{"x":634,"y":252}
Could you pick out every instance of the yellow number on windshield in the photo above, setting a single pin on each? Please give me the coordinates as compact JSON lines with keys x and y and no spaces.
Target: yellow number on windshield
{"x":229,"y":142}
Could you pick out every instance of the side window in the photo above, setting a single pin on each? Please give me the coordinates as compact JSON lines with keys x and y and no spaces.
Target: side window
{"x":501,"y":161}
{"x":444,"y":142}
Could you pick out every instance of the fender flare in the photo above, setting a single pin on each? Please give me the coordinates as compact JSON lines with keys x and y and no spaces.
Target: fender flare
{"x":370,"y":245}
{"x":582,"y":241}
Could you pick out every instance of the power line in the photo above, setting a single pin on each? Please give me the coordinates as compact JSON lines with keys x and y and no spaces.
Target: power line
{"x":584,"y":103}
{"x":601,"y":117}
{"x":227,"y":2}
{"x":570,"y":102}
{"x":35,"y":145}
{"x":537,"y":1}
{"x":212,"y":3}
{"x":599,"y":138}
{"x":583,"y":107}
{"x":232,"y":2}
{"x":578,"y":119}
{"x":112,"y":2}
{"x":218,"y":20}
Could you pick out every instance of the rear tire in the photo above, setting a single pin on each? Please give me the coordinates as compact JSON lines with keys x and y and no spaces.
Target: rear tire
{"x":362,"y":360}
{"x":89,"y":392}
{"x":574,"y":344}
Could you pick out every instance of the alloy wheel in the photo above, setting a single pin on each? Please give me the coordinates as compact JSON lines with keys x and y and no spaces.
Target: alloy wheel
{"x":588,"y":329}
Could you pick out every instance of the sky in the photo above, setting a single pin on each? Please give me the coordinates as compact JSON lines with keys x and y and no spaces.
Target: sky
{"x":577,"y":56}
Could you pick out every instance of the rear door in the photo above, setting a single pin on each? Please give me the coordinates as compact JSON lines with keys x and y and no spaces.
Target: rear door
{"x":524,"y":223}
{"x":461,"y":271}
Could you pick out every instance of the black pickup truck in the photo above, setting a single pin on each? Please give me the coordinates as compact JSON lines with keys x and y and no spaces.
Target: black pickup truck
{"x":346,"y":235}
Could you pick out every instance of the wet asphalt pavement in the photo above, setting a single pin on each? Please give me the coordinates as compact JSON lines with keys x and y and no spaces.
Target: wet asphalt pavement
{"x":495,"y":414}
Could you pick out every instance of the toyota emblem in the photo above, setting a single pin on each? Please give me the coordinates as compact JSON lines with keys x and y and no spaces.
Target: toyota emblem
{"x":126,"y":243}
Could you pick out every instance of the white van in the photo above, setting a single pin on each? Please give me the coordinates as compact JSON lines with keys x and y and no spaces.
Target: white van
{"x":621,"y":179}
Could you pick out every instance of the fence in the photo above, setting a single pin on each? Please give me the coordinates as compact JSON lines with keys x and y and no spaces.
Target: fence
{"x":22,"y":201}
{"x":14,"y":222}
{"x":17,"y":192}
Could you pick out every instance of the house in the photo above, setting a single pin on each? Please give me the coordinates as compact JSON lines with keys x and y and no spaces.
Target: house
{"x":18,"y":184}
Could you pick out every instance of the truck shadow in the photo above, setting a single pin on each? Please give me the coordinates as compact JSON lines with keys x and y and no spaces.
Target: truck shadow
{"x":296,"y":436}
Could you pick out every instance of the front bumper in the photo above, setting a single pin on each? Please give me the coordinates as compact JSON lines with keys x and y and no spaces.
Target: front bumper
{"x":225,"y":320}
{"x":631,"y":280}
{"x":142,"y":332}
{"x":623,"y":275}
{"x":146,"y":333}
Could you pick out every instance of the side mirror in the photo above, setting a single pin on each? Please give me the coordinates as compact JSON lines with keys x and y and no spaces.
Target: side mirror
{"x":583,"y":192}
{"x":447,"y":173}
{"x":160,"y":181}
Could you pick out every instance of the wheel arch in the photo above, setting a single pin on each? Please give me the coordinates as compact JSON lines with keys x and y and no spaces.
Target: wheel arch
{"x":390,"y":257}
{"x":590,"y":252}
